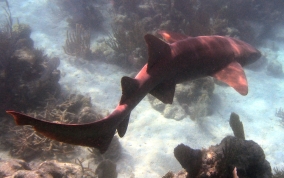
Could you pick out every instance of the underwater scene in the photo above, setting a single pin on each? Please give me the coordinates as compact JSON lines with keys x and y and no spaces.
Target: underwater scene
{"x":141,"y":89}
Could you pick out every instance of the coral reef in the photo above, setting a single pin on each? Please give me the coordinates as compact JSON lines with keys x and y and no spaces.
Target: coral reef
{"x":183,"y":154}
{"x":246,"y":20}
{"x":231,"y":158}
{"x":191,"y":98}
{"x":221,"y":160}
{"x":27,"y":76}
{"x":237,"y":126}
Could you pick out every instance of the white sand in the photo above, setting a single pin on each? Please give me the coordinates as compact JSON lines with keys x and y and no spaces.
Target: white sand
{"x":149,"y":142}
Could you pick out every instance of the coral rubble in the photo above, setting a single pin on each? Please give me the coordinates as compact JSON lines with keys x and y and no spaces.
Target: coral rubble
{"x":53,"y":168}
{"x":25,"y":143}
{"x":19,"y":168}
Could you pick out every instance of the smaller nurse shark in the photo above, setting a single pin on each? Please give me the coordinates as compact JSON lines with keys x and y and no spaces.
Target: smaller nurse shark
{"x":175,"y":59}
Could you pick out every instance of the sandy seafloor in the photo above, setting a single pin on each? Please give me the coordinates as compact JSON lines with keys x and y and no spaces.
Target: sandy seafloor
{"x":150,"y":139}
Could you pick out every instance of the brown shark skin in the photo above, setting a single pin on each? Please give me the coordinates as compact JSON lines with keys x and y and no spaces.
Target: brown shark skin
{"x":168,"y":64}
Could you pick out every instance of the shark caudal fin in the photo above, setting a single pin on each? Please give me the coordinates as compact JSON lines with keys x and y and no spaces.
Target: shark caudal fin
{"x":96,"y":134}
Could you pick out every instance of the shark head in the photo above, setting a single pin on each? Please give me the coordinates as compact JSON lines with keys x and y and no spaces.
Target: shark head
{"x":247,"y":53}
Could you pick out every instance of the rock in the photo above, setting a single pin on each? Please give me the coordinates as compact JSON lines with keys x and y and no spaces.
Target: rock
{"x":174,"y":111}
{"x":156,"y":103}
{"x":180,"y":174}
{"x":7,"y":168}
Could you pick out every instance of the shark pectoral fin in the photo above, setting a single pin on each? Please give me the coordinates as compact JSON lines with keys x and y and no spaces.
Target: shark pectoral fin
{"x":171,"y":37}
{"x":128,"y":85}
{"x":157,"y":50}
{"x":234,"y":76}
{"x":164,"y":92}
{"x":122,"y":127}
{"x":96,"y":134}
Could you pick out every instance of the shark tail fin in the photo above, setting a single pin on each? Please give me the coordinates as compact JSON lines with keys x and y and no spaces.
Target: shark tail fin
{"x":157,"y":50}
{"x":96,"y":134}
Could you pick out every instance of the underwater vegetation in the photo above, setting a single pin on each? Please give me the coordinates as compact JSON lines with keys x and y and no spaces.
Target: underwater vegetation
{"x":128,"y":45}
{"x":78,"y":43}
{"x":27,"y":75}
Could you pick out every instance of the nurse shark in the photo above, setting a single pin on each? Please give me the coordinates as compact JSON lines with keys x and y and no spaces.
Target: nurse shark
{"x":175,"y":59}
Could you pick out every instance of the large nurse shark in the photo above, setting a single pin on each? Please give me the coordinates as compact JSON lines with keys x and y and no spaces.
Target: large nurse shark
{"x":175,"y":59}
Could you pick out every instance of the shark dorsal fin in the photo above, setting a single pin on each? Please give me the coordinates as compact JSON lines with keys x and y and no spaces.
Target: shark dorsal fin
{"x":171,"y":37}
{"x":164,"y":92}
{"x":157,"y":50}
{"x":128,"y":85}
{"x":234,"y":76}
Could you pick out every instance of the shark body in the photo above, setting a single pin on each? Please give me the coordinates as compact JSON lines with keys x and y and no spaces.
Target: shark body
{"x":180,"y":58}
